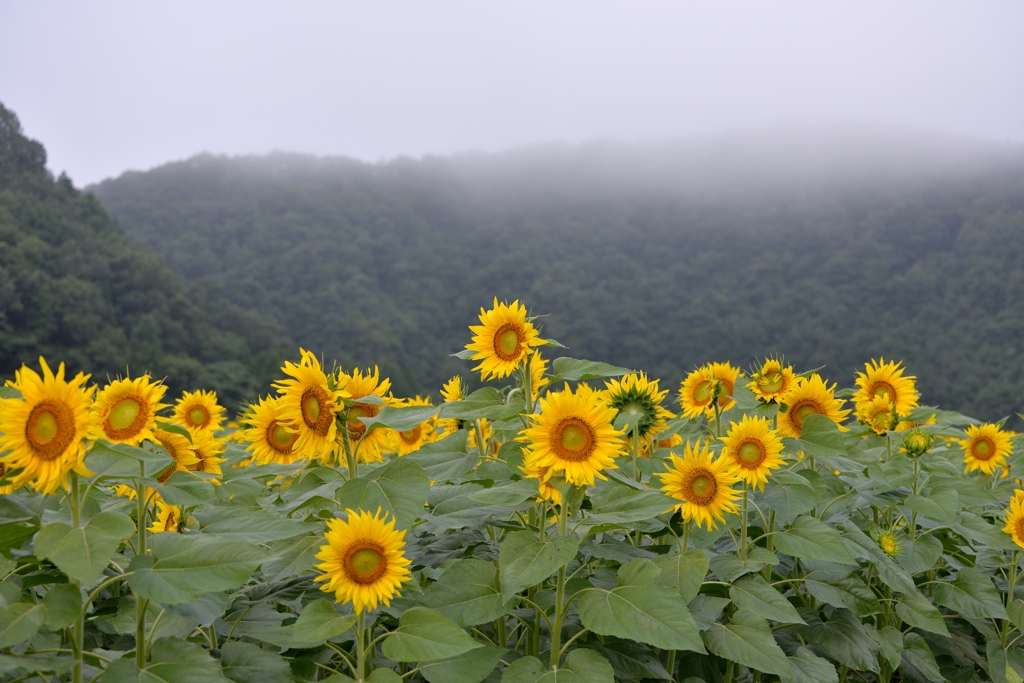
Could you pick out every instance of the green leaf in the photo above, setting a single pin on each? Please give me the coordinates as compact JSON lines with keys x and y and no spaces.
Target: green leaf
{"x":917,"y":654}
{"x":706,"y":609}
{"x":20,"y":622}
{"x":424,"y":635}
{"x":630,"y":659}
{"x":292,"y":557}
{"x":972,"y":595}
{"x":789,"y":495}
{"x":890,"y":642}
{"x":482,"y":403}
{"x":684,"y":572}
{"x":156,"y":460}
{"x":400,"y":419}
{"x":1016,"y":612}
{"x":182,"y":568}
{"x":581,"y":666}
{"x":469,"y":667}
{"x":752,"y":593}
{"x":63,"y":602}
{"x":247,"y":663}
{"x":171,"y":660}
{"x":842,"y":588}
{"x":919,"y":612}
{"x":941,"y":504}
{"x":250,"y":525}
{"x":400,"y":488}
{"x":807,"y":667}
{"x":446,"y":459}
{"x":920,"y":554}
{"x":525,"y":561}
{"x":85,"y":552}
{"x":729,"y":567}
{"x":615,"y":504}
{"x":468,"y":593}
{"x":508,"y":495}
{"x":319,"y":621}
{"x":821,"y":437}
{"x":888,"y":571}
{"x":844,"y":638}
{"x":640,"y":611}
{"x":573,"y":370}
{"x":810,"y":538}
{"x":34,"y":663}
{"x":979,"y":533}
{"x":748,"y":640}
{"x":383,"y":676}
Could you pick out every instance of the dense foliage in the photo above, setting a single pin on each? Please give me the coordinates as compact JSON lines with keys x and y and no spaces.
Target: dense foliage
{"x":73,"y":285}
{"x":830,"y":247}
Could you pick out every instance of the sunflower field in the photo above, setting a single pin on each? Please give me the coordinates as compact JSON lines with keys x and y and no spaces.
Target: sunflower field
{"x":567,"y":523}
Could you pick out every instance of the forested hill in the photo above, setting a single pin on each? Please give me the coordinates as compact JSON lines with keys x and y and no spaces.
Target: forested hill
{"x":829,"y":246}
{"x":75,"y":287}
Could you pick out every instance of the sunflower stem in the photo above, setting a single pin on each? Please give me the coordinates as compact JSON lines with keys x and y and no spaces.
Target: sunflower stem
{"x":670,"y":666}
{"x":78,"y":628}
{"x":361,"y":647}
{"x":480,"y":440}
{"x":141,"y":604}
{"x":346,"y":444}
{"x":770,"y":544}
{"x":743,"y":522}
{"x":686,"y":534}
{"x":556,"y":628}
{"x":528,"y":383}
{"x":1009,"y":595}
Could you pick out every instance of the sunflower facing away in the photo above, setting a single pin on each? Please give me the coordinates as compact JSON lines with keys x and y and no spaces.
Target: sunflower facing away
{"x":543,"y":475}
{"x":635,"y":395}
{"x":450,"y":392}
{"x":886,"y":379}
{"x":704,"y":486}
{"x":413,"y":439}
{"x":44,"y":431}
{"x":199,"y":410}
{"x":179,"y":448}
{"x":363,"y":560}
{"x":308,"y":404}
{"x":1015,"y":518}
{"x":503,"y":339}
{"x":167,"y":518}
{"x":271,"y":439}
{"x":697,"y":393}
{"x":538,"y":366}
{"x":771,"y":381}
{"x":207,"y":448}
{"x":369,"y":446}
{"x":754,"y":448}
{"x":574,"y":434}
{"x":985,"y":448}
{"x":878,"y":414}
{"x":727,"y":375}
{"x":127,"y":409}
{"x":810,"y":396}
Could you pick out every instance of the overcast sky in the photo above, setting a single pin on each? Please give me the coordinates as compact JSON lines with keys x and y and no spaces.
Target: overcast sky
{"x":112,"y":86}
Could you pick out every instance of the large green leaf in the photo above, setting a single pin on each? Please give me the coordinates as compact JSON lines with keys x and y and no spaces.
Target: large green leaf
{"x":247,"y":663}
{"x":891,"y":574}
{"x":468,"y":593}
{"x":581,"y":666}
{"x":401,"y":488}
{"x":525,"y":561}
{"x":446,"y":459}
{"x":319,"y":621}
{"x":820,"y":437}
{"x":616,"y":504}
{"x":639,"y":610}
{"x":752,"y":593}
{"x":890,"y":643}
{"x":171,"y":660}
{"x":292,"y":557}
{"x":789,"y":495}
{"x":85,"y":552}
{"x":469,"y":667}
{"x":972,"y":595}
{"x":918,"y":611}
{"x":181,"y":568}
{"x":685,"y":572}
{"x":254,"y":526}
{"x":807,"y":667}
{"x":920,"y":554}
{"x":424,"y":635}
{"x":573,"y":370}
{"x":980,"y":533}
{"x":631,"y":659}
{"x":511,"y":494}
{"x":941,"y":504}
{"x":844,"y":638}
{"x":482,"y":403}
{"x":810,"y":538}
{"x":63,"y":603}
{"x":748,"y":640}
{"x":917,"y":654}
{"x":400,"y":419}
{"x":842,"y":588}
{"x":155,"y":458}
{"x":20,"y":622}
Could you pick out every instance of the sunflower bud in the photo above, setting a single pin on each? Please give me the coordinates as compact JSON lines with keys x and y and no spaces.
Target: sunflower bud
{"x":191,"y":523}
{"x":917,"y":442}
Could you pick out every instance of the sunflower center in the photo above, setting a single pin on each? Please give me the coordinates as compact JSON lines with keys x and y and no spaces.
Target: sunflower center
{"x":169,"y":525}
{"x":1020,"y":528}
{"x":801,"y":410}
{"x":50,"y":429}
{"x":751,"y":454}
{"x":199,"y":417}
{"x":365,"y":562}
{"x":508,"y":342}
{"x":888,"y":545}
{"x":126,"y":418}
{"x":314,"y":410}
{"x":882,"y":420}
{"x":701,"y":488}
{"x":201,"y":465}
{"x":166,"y":474}
{"x":771,"y":383}
{"x":356,"y":427}
{"x":726,"y":394}
{"x":573,"y":439}
{"x":984,"y":448}
{"x":280,"y":438}
{"x":884,"y":388}
{"x":411,"y":436}
{"x":702,"y":394}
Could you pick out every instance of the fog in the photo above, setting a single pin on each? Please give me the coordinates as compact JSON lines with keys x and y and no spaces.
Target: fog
{"x":114,"y":86}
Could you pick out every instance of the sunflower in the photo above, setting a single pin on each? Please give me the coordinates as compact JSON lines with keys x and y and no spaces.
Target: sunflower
{"x":368,"y":446}
{"x":810,"y":396}
{"x":888,"y":542}
{"x":44,"y":431}
{"x":503,"y":339}
{"x":1015,"y":518}
{"x":985,"y":448}
{"x":771,"y":381}
{"x":308,"y":404}
{"x":538,"y":366}
{"x":167,"y":518}
{"x":271,"y":439}
{"x":5,"y":490}
{"x":543,"y":475}
{"x":878,"y":414}
{"x":574,"y":434}
{"x":199,"y":410}
{"x":754,"y":448}
{"x":727,"y":375}
{"x":363,"y":560}
{"x":450,"y":392}
{"x":697,"y":393}
{"x":485,"y":428}
{"x":704,"y":486}
{"x":423,"y":433}
{"x":207,"y":448}
{"x":916,"y":442}
{"x":127,"y":409}
{"x":636,"y":396}
{"x":886,"y":379}
{"x":179,"y":448}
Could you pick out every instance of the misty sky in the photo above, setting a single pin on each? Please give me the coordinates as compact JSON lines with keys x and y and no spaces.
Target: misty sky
{"x":112,"y":86}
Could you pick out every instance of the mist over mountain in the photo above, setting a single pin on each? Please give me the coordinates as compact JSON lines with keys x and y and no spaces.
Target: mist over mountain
{"x":830,"y":245}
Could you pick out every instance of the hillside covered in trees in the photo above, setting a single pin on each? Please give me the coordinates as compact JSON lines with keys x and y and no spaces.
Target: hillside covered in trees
{"x":830,"y":246}
{"x":75,"y":287}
